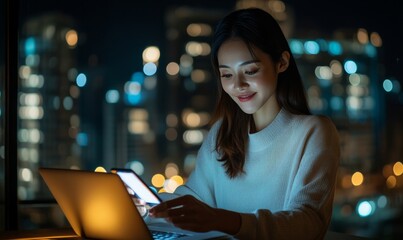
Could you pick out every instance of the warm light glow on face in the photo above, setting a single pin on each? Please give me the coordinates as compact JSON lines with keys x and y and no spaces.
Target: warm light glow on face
{"x":357,"y":179}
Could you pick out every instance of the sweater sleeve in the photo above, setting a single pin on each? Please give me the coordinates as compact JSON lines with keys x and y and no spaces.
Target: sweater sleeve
{"x":200,"y":182}
{"x":308,"y":210}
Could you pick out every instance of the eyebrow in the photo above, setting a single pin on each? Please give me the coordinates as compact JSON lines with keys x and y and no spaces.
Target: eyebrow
{"x":242,"y":64}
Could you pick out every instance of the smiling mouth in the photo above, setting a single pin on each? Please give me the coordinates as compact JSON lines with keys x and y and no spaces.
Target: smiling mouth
{"x":245,"y":98}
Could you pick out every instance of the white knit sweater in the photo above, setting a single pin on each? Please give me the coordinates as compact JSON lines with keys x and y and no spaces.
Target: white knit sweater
{"x":289,"y":182}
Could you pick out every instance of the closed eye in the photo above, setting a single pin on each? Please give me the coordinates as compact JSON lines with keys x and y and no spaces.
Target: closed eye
{"x":251,"y":72}
{"x":226,"y":75}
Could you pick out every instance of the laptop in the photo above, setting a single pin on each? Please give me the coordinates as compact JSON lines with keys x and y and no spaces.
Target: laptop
{"x":98,"y":206}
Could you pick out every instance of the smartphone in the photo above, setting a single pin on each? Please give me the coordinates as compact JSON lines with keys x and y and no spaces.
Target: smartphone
{"x":136,"y":186}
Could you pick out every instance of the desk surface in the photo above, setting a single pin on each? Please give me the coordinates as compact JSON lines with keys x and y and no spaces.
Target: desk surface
{"x":68,"y":233}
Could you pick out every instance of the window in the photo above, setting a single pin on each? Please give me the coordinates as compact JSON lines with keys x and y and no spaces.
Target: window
{"x":116,"y":84}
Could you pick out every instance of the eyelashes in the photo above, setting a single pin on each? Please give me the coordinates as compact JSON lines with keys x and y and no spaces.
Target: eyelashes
{"x":252,"y":72}
{"x":249,"y":73}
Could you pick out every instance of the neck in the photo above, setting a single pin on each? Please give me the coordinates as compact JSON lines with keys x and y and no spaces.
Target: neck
{"x":264,"y":117}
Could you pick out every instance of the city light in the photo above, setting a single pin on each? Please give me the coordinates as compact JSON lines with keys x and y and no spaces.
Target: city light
{"x":74,"y":91}
{"x":350,"y":67}
{"x":171,"y":169}
{"x":172,"y":68}
{"x":311,"y":47}
{"x":398,"y":168}
{"x":26,"y":174}
{"x":335,"y":48}
{"x":68,"y":103}
{"x":198,"y":29}
{"x":171,"y":120}
{"x":387,"y":85}
{"x":82,"y":139}
{"x":137,"y":167}
{"x":382,"y":201}
{"x":376,"y":39}
{"x":199,"y":76}
{"x":362,"y":36}
{"x":365,"y":208}
{"x":112,"y":96}
{"x":32,"y":60}
{"x":391,"y":182}
{"x":336,"y":68}
{"x":72,"y":38}
{"x":30,"y":46}
{"x":149,"y":69}
{"x":30,"y":112}
{"x":30,"y":99}
{"x":193,"y":137}
{"x":81,"y":80}
{"x":150,"y":82}
{"x":171,"y":134}
{"x":357,"y":179}
{"x":197,"y":48}
{"x":100,"y":169}
{"x":158,"y":180}
{"x":151,"y":54}
{"x":296,"y":46}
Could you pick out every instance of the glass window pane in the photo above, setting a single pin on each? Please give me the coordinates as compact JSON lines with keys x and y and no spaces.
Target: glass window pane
{"x":97,"y":87}
{"x":117,"y":84}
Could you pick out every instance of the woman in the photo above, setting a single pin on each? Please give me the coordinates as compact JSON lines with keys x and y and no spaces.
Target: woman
{"x":267,"y":168}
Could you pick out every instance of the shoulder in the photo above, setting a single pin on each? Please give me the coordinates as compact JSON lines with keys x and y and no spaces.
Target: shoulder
{"x":313,"y":121}
{"x":318,"y":125}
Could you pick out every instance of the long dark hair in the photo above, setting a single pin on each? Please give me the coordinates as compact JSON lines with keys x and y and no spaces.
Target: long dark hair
{"x":257,"y":28}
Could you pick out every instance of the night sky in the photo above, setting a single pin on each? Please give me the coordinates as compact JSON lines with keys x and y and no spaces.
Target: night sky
{"x":114,"y":27}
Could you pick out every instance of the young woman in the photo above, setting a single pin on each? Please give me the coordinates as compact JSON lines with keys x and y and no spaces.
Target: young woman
{"x":267,"y":168}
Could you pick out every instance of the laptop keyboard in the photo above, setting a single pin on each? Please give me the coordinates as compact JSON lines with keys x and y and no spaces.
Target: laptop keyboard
{"x":158,"y":235}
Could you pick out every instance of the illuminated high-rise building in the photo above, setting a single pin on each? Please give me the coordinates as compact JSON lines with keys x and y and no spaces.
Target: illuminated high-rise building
{"x":191,"y":85}
{"x":48,"y":123}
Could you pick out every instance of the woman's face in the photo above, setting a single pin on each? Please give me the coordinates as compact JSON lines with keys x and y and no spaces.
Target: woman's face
{"x":250,"y":80}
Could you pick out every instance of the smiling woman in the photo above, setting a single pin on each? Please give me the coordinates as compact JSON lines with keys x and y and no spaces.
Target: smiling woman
{"x":263,"y":143}
{"x":130,"y":84}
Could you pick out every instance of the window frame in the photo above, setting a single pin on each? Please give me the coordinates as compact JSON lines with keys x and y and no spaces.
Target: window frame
{"x":10,"y":125}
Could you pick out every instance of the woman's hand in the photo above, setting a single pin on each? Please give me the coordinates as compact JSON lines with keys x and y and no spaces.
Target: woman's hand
{"x":188,"y":213}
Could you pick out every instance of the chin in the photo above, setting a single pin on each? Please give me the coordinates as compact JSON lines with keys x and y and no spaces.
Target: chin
{"x":248,"y":111}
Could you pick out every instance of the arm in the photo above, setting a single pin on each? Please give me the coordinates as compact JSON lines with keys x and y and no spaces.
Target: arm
{"x":188,"y":213}
{"x":307,"y":210}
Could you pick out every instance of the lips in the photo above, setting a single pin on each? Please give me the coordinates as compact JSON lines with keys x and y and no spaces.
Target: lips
{"x":245,"y":98}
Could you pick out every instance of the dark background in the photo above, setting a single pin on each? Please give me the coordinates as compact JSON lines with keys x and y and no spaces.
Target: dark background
{"x":137,"y":24}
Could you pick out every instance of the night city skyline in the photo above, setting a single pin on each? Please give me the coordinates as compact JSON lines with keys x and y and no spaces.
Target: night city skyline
{"x":101,"y":106}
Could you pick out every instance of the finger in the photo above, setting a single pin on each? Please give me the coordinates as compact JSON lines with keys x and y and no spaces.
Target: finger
{"x":159,"y":210}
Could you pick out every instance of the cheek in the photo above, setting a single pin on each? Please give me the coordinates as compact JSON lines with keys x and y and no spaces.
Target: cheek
{"x":225,"y":86}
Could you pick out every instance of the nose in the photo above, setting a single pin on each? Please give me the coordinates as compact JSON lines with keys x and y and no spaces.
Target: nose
{"x":240,"y":84}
